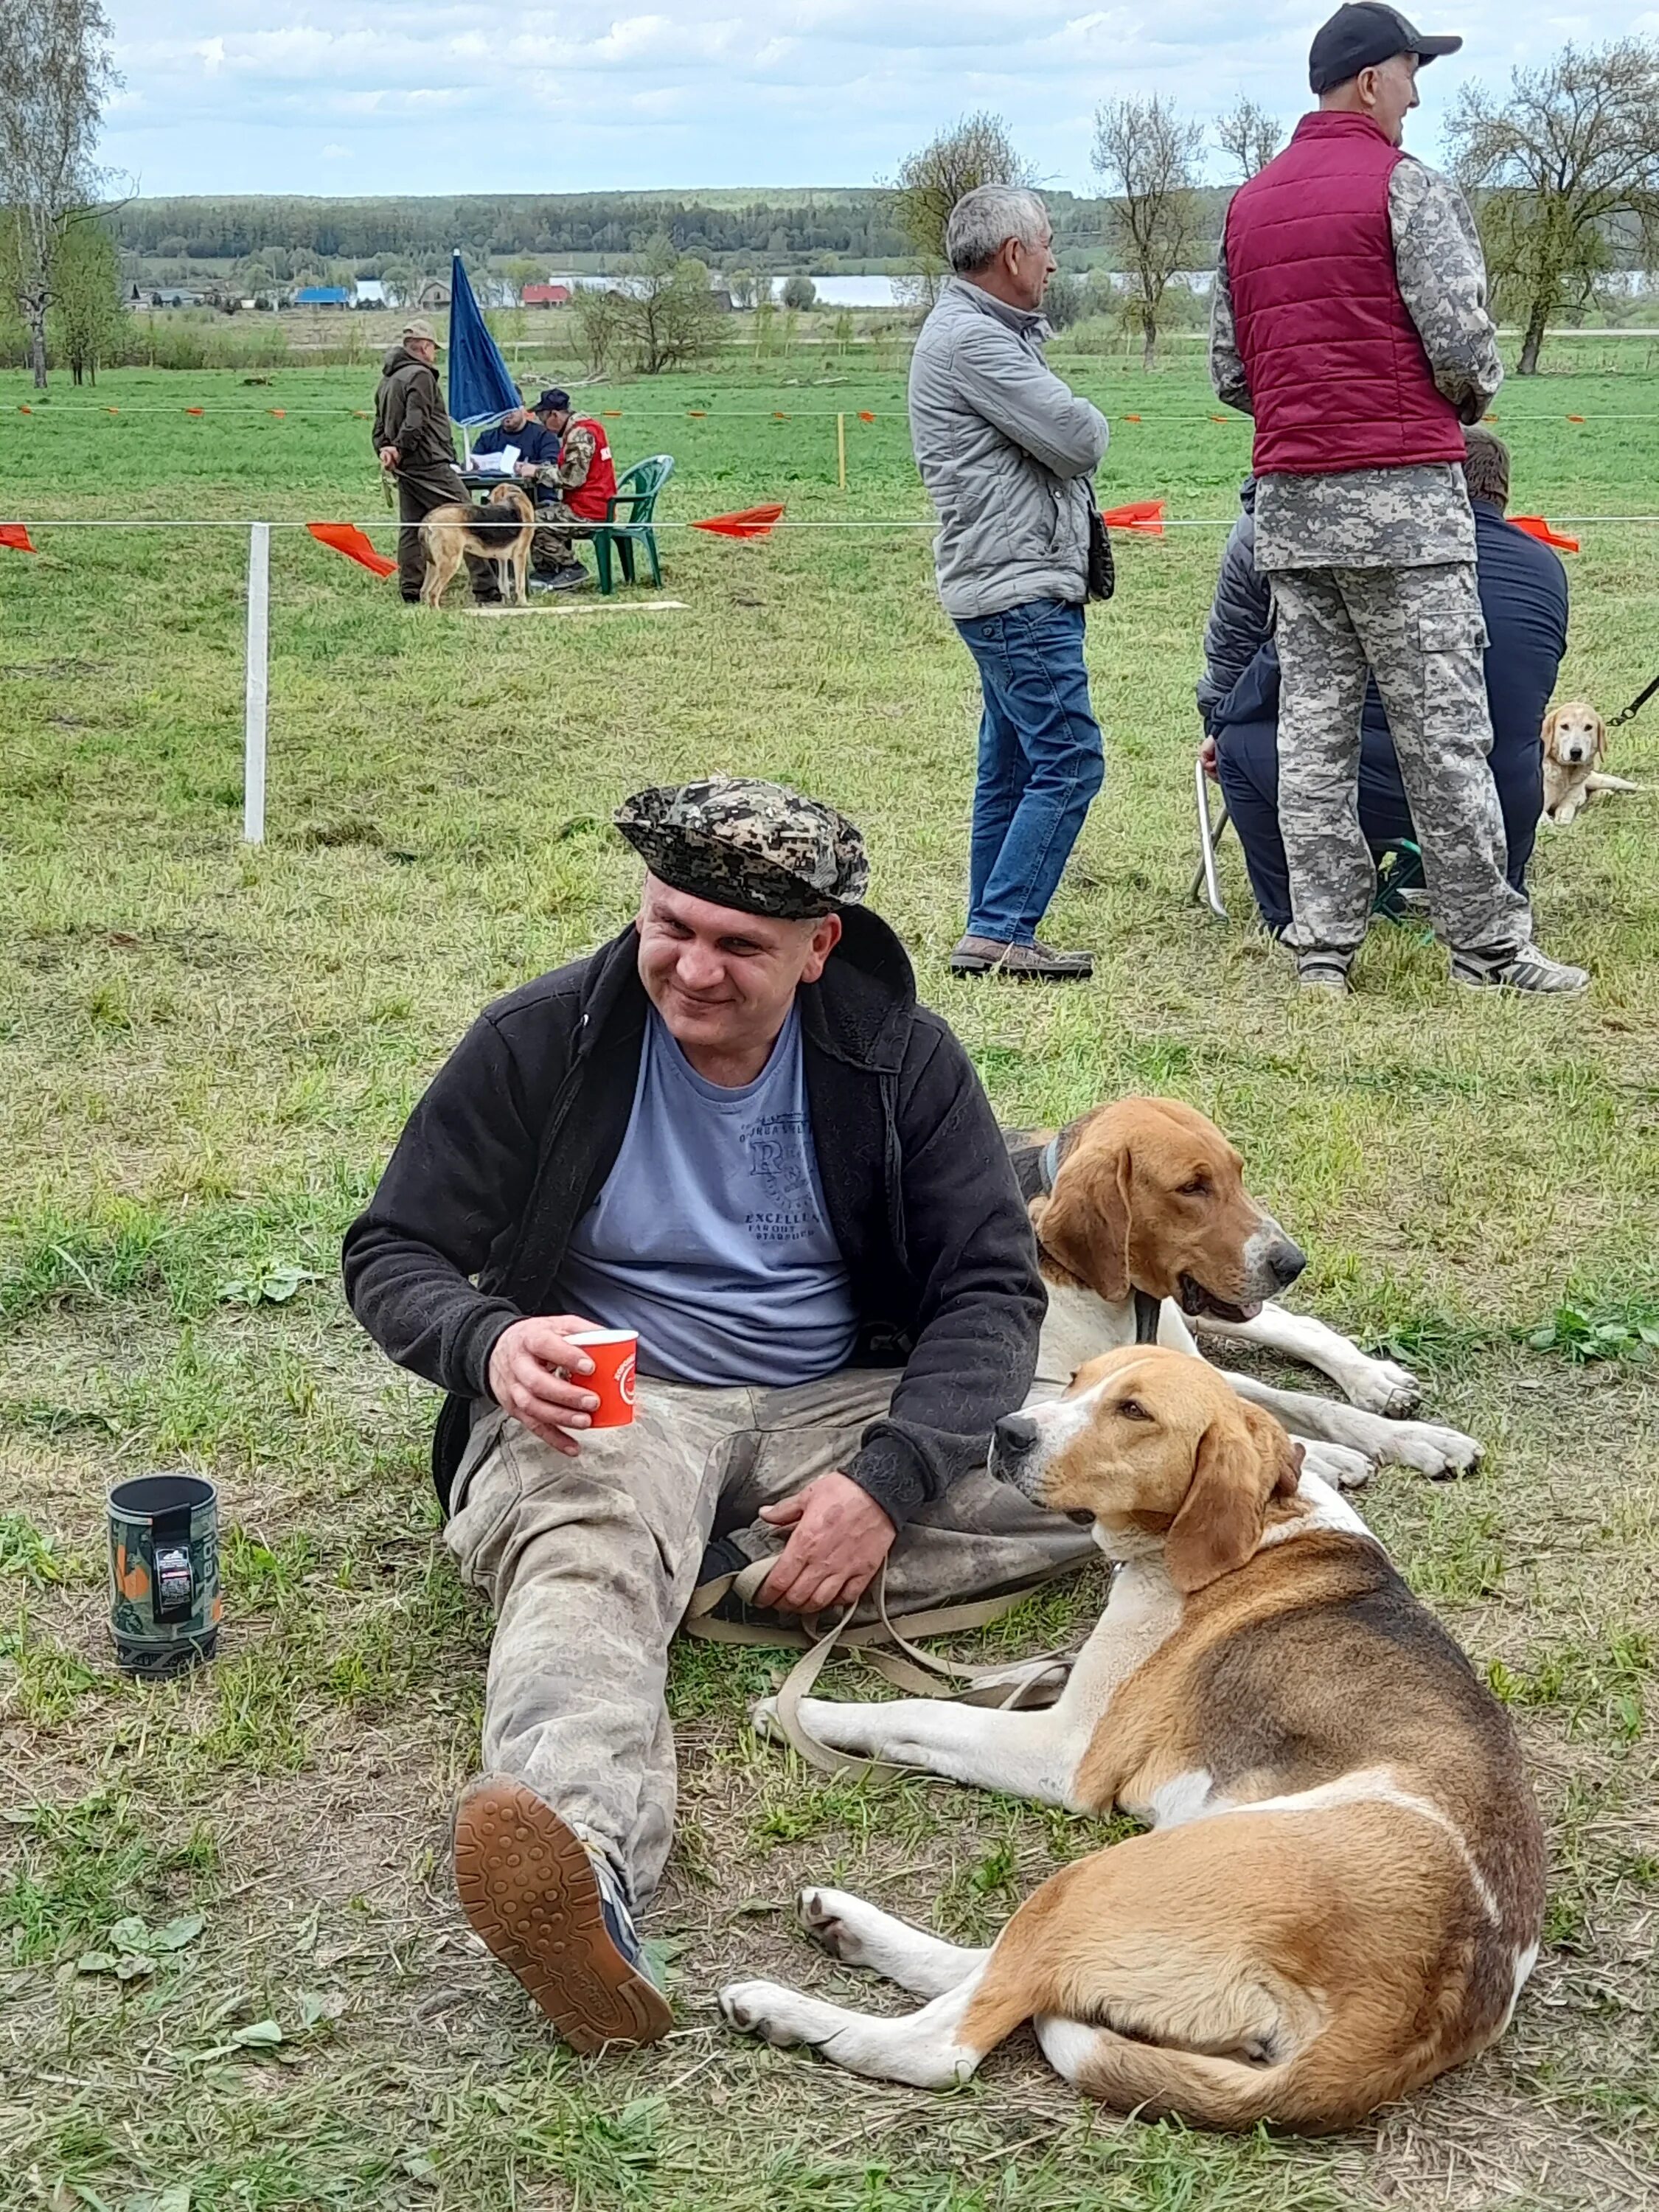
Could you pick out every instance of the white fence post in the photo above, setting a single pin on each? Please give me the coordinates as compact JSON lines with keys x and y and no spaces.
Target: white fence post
{"x":258,"y":684}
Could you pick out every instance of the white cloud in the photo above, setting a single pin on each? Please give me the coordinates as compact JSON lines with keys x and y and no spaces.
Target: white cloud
{"x":457,"y":95}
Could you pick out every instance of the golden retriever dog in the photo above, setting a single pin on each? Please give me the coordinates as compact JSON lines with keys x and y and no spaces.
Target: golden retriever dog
{"x":451,"y":532}
{"x":1341,"y":1892}
{"x":1575,"y":739}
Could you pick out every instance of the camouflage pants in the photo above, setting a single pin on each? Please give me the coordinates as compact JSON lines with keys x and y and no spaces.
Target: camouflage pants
{"x":550,"y":548}
{"x":589,"y":1563}
{"x":1421,"y":633}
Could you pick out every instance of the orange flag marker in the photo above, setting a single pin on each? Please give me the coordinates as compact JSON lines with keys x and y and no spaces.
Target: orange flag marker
{"x":346,"y":537}
{"x":1535,"y":526}
{"x":279,"y":412}
{"x":1135,"y":418}
{"x":864,"y":416}
{"x":1145,"y":515}
{"x":1575,"y":418}
{"x":24,"y":410}
{"x":13,"y":534}
{"x":747,"y":522}
{"x":193,"y":411}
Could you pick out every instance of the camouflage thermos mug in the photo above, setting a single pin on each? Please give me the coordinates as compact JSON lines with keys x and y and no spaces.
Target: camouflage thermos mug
{"x":163,"y":1572}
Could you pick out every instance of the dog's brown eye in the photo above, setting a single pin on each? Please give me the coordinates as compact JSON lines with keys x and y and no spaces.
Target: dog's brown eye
{"x":1133,"y":1410}
{"x":1196,"y":1188}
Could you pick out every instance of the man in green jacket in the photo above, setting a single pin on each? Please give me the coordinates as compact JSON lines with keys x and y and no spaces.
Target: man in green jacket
{"x":416,"y":443}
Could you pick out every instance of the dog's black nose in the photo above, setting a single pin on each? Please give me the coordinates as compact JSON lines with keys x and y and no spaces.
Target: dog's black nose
{"x":1286,"y":1261}
{"x":1012,"y":1438}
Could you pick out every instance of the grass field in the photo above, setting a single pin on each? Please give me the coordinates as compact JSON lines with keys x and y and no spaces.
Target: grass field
{"x":205,"y":1053}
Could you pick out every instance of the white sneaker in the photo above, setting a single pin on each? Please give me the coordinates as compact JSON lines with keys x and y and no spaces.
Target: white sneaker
{"x":1525,"y":969}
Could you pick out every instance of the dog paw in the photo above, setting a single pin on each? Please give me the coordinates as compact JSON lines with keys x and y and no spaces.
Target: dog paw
{"x":763,"y":1719}
{"x":1386,"y":1387}
{"x":1337,"y":1464}
{"x":759,"y":2008}
{"x":824,"y":1915}
{"x":1438,"y":1453}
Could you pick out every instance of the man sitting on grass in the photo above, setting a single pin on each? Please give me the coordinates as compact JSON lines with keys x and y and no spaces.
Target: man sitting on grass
{"x":1523,"y":599}
{"x":734,"y":1131}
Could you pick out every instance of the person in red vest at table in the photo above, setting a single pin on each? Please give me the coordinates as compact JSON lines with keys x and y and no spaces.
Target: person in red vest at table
{"x":1349,"y":318}
{"x":577,"y":487}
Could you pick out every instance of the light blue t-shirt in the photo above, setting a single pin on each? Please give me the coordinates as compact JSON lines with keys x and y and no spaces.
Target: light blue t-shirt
{"x":710,"y":1237}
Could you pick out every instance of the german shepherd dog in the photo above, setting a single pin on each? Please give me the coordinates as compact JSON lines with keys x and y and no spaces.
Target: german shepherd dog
{"x":451,"y":532}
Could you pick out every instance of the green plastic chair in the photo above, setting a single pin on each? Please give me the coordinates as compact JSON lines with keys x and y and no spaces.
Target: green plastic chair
{"x":637,"y":489}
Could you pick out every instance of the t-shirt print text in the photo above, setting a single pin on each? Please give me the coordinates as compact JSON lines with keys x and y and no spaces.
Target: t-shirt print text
{"x":775,"y":1146}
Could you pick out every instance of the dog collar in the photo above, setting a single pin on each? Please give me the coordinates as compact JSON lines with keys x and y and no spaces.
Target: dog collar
{"x":1050,"y":1167}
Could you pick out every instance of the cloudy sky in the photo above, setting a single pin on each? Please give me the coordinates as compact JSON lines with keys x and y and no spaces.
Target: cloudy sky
{"x":354,"y":96}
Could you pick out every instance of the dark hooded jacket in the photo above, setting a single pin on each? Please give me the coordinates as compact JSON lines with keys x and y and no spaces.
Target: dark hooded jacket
{"x":513,"y":1141}
{"x":409,"y":414}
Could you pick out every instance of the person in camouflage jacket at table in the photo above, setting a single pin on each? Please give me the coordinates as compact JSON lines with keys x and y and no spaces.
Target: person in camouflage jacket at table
{"x":573,"y":491}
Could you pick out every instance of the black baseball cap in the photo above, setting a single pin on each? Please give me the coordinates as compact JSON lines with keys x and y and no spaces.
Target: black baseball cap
{"x":553,"y":402}
{"x":1360,"y":36}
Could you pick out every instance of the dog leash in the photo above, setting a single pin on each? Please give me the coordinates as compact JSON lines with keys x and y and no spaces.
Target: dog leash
{"x":1028,"y":1683}
{"x":1635,"y":706}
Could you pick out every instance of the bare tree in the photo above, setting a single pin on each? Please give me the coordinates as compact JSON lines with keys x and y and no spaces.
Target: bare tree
{"x":1148,"y":155}
{"x":977,"y":150}
{"x":55,"y":75}
{"x":1248,"y":136}
{"x":1554,"y":170}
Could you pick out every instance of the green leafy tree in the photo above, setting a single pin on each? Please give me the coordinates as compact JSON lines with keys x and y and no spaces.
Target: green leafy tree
{"x":1553,"y":170}
{"x":799,"y":292}
{"x":86,"y":322}
{"x":55,"y":75}
{"x":668,"y":315}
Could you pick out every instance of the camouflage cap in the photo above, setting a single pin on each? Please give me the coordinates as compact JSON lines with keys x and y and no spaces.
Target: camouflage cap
{"x":740,"y":843}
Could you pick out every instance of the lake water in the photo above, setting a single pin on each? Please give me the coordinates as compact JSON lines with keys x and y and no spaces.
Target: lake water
{"x":848,"y":291}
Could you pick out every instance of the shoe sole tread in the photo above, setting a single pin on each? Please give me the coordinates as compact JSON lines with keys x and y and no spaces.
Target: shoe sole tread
{"x":526,"y":1884}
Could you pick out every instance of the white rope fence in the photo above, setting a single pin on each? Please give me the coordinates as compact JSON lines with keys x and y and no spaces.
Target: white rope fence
{"x":257,"y":705}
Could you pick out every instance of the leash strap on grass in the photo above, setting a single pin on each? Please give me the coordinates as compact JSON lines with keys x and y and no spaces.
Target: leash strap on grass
{"x":1028,"y":1683}
{"x":1635,"y":706}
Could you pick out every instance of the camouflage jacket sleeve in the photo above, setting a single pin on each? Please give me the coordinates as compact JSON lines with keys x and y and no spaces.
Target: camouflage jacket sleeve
{"x":575,"y":458}
{"x":1443,"y":281}
{"x":1232,"y":386}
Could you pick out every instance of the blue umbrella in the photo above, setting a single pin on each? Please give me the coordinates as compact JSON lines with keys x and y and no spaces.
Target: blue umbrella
{"x":480,"y":389}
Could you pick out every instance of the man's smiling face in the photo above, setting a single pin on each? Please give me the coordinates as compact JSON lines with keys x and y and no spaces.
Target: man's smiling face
{"x":724,"y":981}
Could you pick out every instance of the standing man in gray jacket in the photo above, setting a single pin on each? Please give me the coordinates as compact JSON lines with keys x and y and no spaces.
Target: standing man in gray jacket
{"x":1008,"y":453}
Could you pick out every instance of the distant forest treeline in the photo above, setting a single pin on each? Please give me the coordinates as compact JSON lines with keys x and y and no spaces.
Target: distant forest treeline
{"x":723,"y":228}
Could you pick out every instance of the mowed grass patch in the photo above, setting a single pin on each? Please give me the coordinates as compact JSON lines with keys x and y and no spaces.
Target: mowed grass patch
{"x":207,"y":1052}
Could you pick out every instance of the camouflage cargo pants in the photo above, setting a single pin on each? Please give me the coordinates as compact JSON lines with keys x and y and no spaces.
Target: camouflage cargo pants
{"x":1421,"y":632}
{"x":551,"y":548}
{"x":589,"y":1563}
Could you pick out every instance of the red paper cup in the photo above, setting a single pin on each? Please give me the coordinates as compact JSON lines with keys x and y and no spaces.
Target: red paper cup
{"x":613,"y":1353}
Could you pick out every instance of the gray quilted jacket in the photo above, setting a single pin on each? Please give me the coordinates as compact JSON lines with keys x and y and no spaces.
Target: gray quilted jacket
{"x":1240,"y":618}
{"x":1007,"y":452}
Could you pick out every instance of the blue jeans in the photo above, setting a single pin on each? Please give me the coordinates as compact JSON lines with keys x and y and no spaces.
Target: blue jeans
{"x":1040,"y":763}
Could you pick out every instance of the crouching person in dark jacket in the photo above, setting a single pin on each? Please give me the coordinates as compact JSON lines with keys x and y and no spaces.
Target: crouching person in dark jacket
{"x":1524,"y":599}
{"x":735,"y":1133}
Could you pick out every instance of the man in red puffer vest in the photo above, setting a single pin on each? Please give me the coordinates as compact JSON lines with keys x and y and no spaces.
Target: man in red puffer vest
{"x":1350,"y":319}
{"x":576,"y":488}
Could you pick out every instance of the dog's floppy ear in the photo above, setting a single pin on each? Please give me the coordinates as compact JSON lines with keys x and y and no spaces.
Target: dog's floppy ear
{"x":1085,"y":1222}
{"x":1600,"y":752}
{"x":1547,"y":733}
{"x":1243,"y":1459}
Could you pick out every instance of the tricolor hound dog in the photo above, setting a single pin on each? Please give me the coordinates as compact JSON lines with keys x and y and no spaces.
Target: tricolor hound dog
{"x":1342,"y":1892}
{"x":1143,"y":1203}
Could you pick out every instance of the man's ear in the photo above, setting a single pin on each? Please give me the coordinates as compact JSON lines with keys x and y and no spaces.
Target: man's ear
{"x":1085,"y":1223}
{"x":1220,"y":1521}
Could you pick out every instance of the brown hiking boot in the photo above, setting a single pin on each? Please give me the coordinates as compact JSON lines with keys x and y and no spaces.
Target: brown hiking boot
{"x":1035,"y":963}
{"x":553,"y":1912}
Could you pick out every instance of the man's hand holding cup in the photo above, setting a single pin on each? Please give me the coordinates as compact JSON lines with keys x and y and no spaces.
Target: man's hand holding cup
{"x":536,"y":1373}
